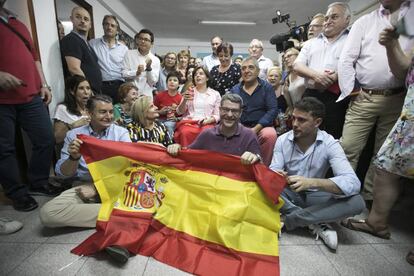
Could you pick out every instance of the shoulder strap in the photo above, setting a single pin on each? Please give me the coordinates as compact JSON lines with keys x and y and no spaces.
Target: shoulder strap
{"x":18,"y":34}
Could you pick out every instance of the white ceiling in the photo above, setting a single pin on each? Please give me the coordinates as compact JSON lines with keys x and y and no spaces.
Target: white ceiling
{"x":179,"y":19}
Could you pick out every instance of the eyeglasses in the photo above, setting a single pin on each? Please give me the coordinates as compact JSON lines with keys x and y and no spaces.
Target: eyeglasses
{"x":144,"y":39}
{"x":255,"y":47}
{"x":227,"y":110}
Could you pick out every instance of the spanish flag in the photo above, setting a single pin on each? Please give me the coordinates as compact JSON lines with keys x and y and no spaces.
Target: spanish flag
{"x":202,"y":212}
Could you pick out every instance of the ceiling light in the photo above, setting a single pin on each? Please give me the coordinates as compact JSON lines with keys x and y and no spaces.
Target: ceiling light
{"x":207,"y":22}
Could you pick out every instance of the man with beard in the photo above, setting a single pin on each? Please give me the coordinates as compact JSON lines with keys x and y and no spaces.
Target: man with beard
{"x":304,"y":155}
{"x":229,"y":136}
{"x":79,"y":57}
{"x":110,"y":53}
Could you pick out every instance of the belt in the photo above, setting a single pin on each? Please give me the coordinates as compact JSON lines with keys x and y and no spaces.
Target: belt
{"x":384,"y":92}
{"x":112,"y":82}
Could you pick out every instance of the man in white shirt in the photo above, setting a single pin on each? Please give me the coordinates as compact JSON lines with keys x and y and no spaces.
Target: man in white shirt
{"x":317,"y":62}
{"x":140,"y":65}
{"x":212,"y":60}
{"x":381,"y":96}
{"x":256,"y":51}
{"x":110,"y":54}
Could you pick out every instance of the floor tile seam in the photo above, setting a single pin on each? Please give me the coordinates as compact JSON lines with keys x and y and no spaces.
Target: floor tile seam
{"x":25,"y":259}
{"x":401,"y":272}
{"x":326,"y":256}
{"x":145,"y":268}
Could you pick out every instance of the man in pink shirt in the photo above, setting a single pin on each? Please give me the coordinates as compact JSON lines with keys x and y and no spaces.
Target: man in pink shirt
{"x":380,"y":97}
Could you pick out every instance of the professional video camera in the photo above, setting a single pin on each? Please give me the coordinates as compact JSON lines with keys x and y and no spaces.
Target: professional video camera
{"x":297,"y":32}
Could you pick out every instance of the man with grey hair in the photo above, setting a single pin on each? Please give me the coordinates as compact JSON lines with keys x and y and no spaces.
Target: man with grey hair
{"x":378,"y":101}
{"x":110,"y":52}
{"x":256,"y":51}
{"x":317,"y":62}
{"x":229,"y":136}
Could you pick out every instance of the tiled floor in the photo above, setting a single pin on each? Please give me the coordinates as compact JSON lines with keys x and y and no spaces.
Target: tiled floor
{"x":36,"y":250}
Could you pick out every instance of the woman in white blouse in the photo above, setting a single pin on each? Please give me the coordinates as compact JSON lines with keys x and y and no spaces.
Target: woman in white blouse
{"x":72,"y":112}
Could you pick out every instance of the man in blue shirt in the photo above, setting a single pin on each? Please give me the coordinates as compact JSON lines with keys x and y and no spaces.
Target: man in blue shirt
{"x":77,"y":206}
{"x":260,"y":106}
{"x":304,"y":156}
{"x":110,"y":53}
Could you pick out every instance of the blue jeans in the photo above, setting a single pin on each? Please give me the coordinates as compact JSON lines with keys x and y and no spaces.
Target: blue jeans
{"x":311,"y":207}
{"x":33,"y":117}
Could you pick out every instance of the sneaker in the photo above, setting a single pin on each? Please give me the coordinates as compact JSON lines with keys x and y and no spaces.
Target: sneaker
{"x":8,"y":226}
{"x":326,"y":233}
{"x":47,"y":190}
{"x":25,"y":203}
{"x":118,"y":253}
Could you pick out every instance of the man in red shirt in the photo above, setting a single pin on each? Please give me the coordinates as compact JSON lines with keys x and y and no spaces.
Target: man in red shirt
{"x":24,"y":95}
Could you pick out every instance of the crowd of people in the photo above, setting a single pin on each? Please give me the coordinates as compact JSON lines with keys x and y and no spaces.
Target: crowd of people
{"x":308,"y":118}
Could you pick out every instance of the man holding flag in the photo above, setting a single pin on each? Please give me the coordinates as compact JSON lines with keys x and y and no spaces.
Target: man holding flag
{"x":78,"y":206}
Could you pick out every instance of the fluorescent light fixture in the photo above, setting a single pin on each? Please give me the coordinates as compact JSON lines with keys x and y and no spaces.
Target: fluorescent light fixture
{"x":208,"y":22}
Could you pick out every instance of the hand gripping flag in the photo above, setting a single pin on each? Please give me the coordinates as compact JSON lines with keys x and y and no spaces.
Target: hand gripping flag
{"x":202,"y":212}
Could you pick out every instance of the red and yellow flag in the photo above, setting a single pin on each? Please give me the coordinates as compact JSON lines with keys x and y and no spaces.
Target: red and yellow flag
{"x":202,"y":212}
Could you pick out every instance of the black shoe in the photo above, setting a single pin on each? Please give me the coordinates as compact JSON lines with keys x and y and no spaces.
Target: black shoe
{"x":48,"y":190}
{"x":25,"y":204}
{"x":118,"y":253}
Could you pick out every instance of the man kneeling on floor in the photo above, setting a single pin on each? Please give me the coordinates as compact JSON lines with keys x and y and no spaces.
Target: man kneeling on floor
{"x":79,"y":206}
{"x":304,"y":155}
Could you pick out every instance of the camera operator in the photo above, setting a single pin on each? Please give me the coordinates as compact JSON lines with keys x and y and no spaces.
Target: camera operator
{"x":317,"y":63}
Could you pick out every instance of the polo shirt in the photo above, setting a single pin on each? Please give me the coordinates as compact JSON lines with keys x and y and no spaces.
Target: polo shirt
{"x":243,"y":140}
{"x":260,"y":107}
{"x":74,"y":45}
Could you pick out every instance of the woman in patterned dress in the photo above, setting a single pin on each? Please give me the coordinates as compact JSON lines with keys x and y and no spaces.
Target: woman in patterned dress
{"x":227,"y":74}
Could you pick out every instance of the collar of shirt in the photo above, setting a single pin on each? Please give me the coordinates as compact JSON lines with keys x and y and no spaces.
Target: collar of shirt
{"x":325,"y":39}
{"x":259,"y":80}
{"x":383,"y":12}
{"x":217,"y":130}
{"x":99,"y":135}
{"x":319,"y":138}
{"x":83,"y":38}
{"x":106,"y":43}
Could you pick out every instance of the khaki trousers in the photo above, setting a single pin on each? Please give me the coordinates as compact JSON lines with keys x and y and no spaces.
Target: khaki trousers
{"x":68,"y":209}
{"x":361,"y":117}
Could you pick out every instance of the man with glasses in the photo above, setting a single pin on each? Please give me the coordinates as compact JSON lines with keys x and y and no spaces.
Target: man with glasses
{"x":168,"y":65}
{"x":256,"y":51}
{"x":229,"y":136}
{"x":212,"y":60}
{"x":316,"y":25}
{"x":140,"y":65}
{"x":110,"y":54}
{"x":79,"y":57}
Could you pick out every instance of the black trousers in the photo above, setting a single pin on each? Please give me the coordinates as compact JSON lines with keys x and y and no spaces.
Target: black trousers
{"x":334,"y":120}
{"x":110,"y":88}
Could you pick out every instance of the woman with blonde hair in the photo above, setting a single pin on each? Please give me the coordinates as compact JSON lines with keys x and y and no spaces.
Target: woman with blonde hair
{"x":183,"y":59}
{"x":144,"y":126}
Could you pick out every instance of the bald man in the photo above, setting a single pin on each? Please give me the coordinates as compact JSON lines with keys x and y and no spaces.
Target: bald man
{"x":79,"y":58}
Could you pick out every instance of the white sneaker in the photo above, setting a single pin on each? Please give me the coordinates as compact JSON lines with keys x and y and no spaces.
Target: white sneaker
{"x":326,"y":233}
{"x":8,"y":226}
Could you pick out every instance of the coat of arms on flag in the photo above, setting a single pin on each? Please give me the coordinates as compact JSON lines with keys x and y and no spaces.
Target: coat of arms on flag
{"x":203,"y":212}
